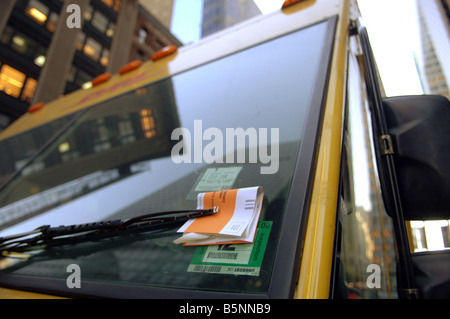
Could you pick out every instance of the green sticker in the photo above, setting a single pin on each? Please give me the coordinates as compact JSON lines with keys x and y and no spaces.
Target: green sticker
{"x":235,"y":259}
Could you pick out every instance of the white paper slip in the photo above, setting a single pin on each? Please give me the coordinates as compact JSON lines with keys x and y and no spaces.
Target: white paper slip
{"x":236,"y":220}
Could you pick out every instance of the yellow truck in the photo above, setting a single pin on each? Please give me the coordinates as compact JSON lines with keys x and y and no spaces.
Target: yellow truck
{"x":95,"y":185}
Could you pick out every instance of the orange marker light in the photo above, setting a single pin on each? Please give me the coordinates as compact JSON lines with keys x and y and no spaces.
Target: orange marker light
{"x":35,"y":107}
{"x":289,"y":3}
{"x":130,"y":66}
{"x":101,"y":78}
{"x":168,"y":50}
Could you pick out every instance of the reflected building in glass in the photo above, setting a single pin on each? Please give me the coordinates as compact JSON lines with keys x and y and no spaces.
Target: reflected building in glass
{"x":41,"y":58}
{"x":107,"y":142}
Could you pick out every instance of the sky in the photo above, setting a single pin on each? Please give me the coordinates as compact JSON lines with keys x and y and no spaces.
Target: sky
{"x":394,"y":36}
{"x":391,"y":25}
{"x":186,"y":22}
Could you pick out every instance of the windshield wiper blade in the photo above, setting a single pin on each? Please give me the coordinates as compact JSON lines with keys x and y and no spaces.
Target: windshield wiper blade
{"x":45,"y":235}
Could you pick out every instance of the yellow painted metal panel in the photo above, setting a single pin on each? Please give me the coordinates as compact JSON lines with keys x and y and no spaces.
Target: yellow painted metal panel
{"x":318,"y":250}
{"x":17,"y":294}
{"x":315,"y":269}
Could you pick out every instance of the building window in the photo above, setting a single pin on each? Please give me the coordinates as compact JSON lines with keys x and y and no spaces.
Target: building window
{"x":109,"y":3}
{"x":28,"y":91}
{"x":82,"y":78}
{"x":37,"y":11}
{"x":52,"y":21}
{"x":105,"y":58}
{"x":142,"y":36}
{"x":148,"y":123}
{"x":88,"y":13}
{"x":40,"y":60}
{"x":11,"y":80}
{"x":19,"y":44}
{"x":72,"y":74}
{"x":6,"y":36}
{"x":117,"y":5}
{"x":100,"y":22}
{"x":81,"y":38}
{"x":110,"y":31}
{"x":29,"y":48}
{"x":114,"y":4}
{"x":23,"y":45}
{"x":92,"y":49}
{"x":140,"y":55}
{"x":159,"y":44}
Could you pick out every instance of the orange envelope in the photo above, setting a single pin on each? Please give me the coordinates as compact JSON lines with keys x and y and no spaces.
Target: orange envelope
{"x":236,"y":220}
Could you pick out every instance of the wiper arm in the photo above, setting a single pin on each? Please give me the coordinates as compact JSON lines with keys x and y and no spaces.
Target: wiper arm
{"x":45,"y":235}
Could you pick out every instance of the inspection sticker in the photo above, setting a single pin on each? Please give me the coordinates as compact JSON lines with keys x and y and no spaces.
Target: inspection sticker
{"x":235,"y":259}
{"x":215,"y":179}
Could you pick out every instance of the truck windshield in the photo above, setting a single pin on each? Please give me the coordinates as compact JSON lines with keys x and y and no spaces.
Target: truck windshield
{"x":239,"y":121}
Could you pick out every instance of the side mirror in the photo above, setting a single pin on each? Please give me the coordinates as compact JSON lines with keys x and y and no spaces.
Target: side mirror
{"x":419,"y":127}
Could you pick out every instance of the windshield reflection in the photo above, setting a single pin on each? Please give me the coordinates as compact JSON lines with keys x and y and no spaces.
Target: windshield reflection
{"x":113,"y":140}
{"x":126,"y":144}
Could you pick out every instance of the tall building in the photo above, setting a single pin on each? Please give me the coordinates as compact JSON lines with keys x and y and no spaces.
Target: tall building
{"x":49,"y":48}
{"x":162,"y":10}
{"x":433,"y":62}
{"x":151,"y":33}
{"x":220,"y":14}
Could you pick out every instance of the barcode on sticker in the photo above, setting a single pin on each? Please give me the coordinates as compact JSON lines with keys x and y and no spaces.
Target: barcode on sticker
{"x":207,"y":268}
{"x":228,"y":254}
{"x":233,"y":270}
{"x":235,"y":259}
{"x":222,"y":255}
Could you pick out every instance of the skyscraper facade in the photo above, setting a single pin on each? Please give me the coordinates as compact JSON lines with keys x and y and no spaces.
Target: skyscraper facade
{"x":433,"y":60}
{"x":220,"y":14}
{"x":162,"y":10}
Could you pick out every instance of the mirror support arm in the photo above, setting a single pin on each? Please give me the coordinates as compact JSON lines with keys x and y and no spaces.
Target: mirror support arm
{"x":385,"y":152}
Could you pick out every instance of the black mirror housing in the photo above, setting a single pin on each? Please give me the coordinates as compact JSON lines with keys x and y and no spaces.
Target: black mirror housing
{"x":419,"y":127}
